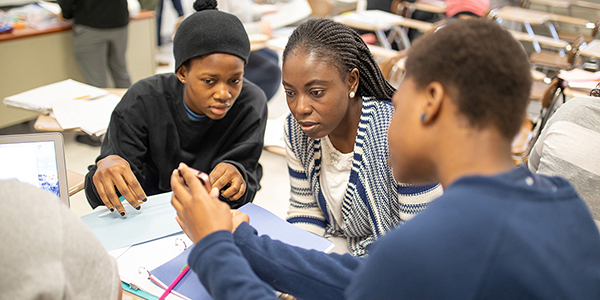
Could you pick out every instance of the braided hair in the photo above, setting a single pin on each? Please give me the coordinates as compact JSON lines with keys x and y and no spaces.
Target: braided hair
{"x":345,"y":49}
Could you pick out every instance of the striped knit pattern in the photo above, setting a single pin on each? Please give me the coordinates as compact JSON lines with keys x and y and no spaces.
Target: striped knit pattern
{"x":374,"y":203}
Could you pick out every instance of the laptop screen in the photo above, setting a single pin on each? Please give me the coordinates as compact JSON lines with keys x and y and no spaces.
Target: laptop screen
{"x":33,"y":163}
{"x":37,"y":159}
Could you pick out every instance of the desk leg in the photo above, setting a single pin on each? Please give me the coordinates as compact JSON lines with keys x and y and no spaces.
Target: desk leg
{"x":535,"y":43}
{"x":383,"y":39}
{"x":555,"y":35}
{"x":400,"y":32}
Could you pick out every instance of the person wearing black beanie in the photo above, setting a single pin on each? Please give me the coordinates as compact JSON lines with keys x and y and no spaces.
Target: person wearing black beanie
{"x":205,"y":115}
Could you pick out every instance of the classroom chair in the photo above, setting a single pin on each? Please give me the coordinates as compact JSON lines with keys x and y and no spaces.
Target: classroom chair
{"x":531,"y":129}
{"x":551,"y":60}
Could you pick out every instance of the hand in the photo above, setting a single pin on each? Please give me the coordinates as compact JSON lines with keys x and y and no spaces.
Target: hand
{"x":237,"y":217}
{"x":113,"y":171}
{"x":228,"y":176}
{"x":199,"y":210}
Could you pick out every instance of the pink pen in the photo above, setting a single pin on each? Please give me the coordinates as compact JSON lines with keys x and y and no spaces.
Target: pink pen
{"x":175,"y":282}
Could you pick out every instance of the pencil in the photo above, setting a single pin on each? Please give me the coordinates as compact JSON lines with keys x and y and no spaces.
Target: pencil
{"x":175,"y":282}
{"x":82,"y":97}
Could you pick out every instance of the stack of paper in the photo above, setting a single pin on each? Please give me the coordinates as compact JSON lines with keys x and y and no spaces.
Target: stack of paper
{"x":92,"y":116}
{"x":41,"y":99}
{"x":580,"y":79}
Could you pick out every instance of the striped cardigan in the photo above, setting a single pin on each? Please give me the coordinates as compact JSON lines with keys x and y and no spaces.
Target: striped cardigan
{"x":374,"y":202}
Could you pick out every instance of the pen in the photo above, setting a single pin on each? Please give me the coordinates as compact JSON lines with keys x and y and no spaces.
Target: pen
{"x":175,"y":282}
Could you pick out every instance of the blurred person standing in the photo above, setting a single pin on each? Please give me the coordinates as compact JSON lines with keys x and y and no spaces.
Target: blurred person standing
{"x":99,"y":39}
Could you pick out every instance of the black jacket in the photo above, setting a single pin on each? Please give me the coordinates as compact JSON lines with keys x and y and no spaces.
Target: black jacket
{"x":152,"y":131}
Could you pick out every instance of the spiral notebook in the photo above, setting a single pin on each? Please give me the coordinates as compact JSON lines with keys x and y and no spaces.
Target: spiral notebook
{"x":152,"y":266}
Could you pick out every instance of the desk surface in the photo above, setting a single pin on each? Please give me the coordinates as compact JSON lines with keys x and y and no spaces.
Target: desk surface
{"x":378,"y":20}
{"x":522,"y":15}
{"x":592,"y":49}
{"x":553,"y":3}
{"x":29,"y":31}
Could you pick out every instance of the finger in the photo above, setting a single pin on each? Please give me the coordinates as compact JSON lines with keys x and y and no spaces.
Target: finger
{"x":177,"y":204}
{"x":217,"y":173}
{"x":111,"y":195}
{"x":190,"y":177}
{"x":122,"y":186}
{"x":231,"y":190}
{"x":178,"y":186}
{"x":102,"y":194}
{"x":135,"y":186}
{"x":206,"y":179}
{"x":221,"y":182}
{"x":241,"y":192}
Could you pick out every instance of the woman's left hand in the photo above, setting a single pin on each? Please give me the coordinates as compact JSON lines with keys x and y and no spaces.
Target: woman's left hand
{"x":227,"y":179}
{"x":199,"y":210}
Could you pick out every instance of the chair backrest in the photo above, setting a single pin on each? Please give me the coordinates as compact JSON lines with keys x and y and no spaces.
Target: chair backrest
{"x":595,"y":29}
{"x":398,"y":7}
{"x":574,"y":52}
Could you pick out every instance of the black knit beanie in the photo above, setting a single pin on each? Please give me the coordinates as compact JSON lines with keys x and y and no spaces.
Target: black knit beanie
{"x":208,"y":31}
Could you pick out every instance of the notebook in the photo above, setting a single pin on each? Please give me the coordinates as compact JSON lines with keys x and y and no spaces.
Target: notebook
{"x":37,"y":159}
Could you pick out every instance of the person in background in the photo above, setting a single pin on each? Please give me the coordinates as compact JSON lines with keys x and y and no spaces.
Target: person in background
{"x":263,"y":64}
{"x":568,"y":146}
{"x":497,"y":232}
{"x":47,"y":252}
{"x":469,"y":8}
{"x":205,"y":114}
{"x":99,"y":39}
{"x":159,"y":11}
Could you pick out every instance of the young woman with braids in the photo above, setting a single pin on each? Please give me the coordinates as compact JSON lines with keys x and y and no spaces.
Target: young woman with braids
{"x":342,"y":186}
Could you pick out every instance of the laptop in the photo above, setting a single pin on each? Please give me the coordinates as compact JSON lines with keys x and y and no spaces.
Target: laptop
{"x":37,"y":159}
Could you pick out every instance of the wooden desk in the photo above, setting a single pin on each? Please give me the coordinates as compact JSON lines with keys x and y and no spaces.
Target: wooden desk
{"x":75,"y":182}
{"x":30,"y":58}
{"x":380,"y":21}
{"x":592,"y":49}
{"x":543,"y":40}
{"x":528,"y":17}
{"x":553,"y":3}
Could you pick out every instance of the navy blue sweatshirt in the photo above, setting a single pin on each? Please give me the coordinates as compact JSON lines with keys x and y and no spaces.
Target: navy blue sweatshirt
{"x":514,"y":235}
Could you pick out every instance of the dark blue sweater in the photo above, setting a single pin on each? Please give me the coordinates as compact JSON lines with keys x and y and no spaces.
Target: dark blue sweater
{"x":514,"y":235}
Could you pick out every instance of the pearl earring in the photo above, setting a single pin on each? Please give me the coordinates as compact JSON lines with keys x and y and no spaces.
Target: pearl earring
{"x":352,"y":94}
{"x":183,"y":81}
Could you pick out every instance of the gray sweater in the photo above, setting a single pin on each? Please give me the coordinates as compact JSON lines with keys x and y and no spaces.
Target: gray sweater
{"x":47,"y":252}
{"x":569,"y":146}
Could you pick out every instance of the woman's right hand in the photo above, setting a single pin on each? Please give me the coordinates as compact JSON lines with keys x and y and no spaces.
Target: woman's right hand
{"x":113,"y":171}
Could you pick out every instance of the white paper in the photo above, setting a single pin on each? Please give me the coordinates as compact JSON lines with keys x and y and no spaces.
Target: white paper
{"x":374,"y":17}
{"x":92,"y":116}
{"x":51,"y":7}
{"x":41,"y":99}
{"x":289,"y":13}
{"x":137,"y":260}
{"x":274,"y":135}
